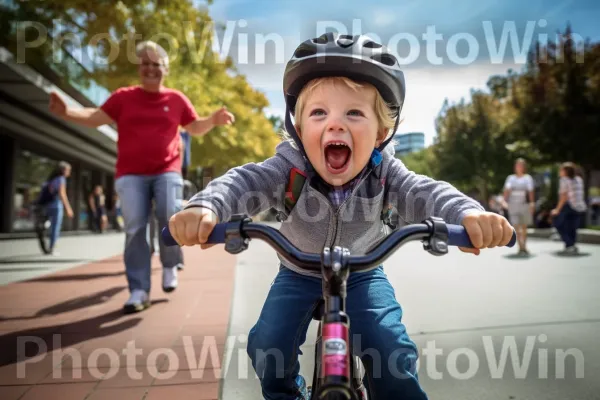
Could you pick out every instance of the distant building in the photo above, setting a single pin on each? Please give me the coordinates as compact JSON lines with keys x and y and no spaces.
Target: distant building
{"x":32,"y":141}
{"x":408,"y":143}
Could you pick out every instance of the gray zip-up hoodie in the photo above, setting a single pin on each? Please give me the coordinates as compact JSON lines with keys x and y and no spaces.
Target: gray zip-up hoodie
{"x":314,"y":222}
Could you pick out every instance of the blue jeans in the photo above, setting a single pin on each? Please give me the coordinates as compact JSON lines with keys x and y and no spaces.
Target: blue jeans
{"x":567,"y":222}
{"x":377,"y":335}
{"x":136,"y":193}
{"x":55,"y":214}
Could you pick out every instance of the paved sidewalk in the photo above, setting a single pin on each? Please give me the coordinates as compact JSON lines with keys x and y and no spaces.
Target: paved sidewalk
{"x":64,"y":336}
{"x":454,"y":307}
{"x":587,"y":236}
{"x":22,"y":259}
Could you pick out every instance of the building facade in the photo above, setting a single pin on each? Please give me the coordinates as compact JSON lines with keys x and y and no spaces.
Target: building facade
{"x":407,"y":143}
{"x":33,"y":141}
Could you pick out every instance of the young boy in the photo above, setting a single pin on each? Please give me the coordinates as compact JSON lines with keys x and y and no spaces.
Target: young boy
{"x":346,"y":94}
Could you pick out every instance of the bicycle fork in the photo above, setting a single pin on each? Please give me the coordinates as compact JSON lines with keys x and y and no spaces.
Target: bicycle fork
{"x":336,"y":376}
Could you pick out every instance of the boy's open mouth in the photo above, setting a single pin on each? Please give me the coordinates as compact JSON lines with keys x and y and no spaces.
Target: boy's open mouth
{"x":337,"y":156}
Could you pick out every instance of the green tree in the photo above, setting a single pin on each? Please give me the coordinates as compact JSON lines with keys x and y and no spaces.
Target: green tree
{"x":471,"y":146}
{"x":421,"y":162}
{"x":277,"y":122}
{"x":558,"y":102}
{"x":109,"y":32}
{"x":549,"y":113}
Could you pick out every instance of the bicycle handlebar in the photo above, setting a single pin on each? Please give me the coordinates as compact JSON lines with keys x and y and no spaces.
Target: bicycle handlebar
{"x":438,"y":233}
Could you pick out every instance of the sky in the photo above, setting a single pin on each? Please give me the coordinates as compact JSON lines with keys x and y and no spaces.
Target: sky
{"x":445,"y":47}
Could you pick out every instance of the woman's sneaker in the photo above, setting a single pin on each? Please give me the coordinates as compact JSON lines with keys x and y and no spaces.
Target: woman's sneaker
{"x":138,"y":301}
{"x":169,"y":279}
{"x":571,"y":250}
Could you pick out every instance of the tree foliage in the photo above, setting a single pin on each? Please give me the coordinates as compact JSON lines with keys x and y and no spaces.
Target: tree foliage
{"x":548,"y":113}
{"x":557,"y":100}
{"x":102,"y":37}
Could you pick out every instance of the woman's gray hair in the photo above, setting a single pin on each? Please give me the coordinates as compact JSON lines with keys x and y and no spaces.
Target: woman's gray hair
{"x":154,"y":47}
{"x":63,"y":166}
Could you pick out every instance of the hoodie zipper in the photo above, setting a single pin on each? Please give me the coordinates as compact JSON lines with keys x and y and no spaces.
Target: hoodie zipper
{"x":337,"y":212}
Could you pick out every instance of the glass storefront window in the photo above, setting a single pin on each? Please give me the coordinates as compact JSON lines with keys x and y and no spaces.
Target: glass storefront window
{"x":32,"y":170}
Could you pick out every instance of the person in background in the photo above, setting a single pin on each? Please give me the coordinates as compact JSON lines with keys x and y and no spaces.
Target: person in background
{"x":97,"y":203}
{"x":595,"y":206}
{"x":148,"y":116}
{"x":520,"y":198}
{"x":117,"y":212}
{"x":571,"y":205}
{"x":54,"y":198}
{"x":580,"y":181}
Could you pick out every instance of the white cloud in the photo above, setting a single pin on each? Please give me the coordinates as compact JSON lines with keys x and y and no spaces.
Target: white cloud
{"x":382,"y":17}
{"x":428,"y":87}
{"x":280,"y":112}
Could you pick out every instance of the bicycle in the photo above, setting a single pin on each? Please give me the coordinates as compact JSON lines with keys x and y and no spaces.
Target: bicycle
{"x":338,"y":374}
{"x":42,"y":228}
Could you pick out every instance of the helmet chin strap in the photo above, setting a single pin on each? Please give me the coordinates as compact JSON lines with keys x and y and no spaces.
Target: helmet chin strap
{"x":388,"y":140}
{"x":291,"y":129}
{"x":376,"y":156}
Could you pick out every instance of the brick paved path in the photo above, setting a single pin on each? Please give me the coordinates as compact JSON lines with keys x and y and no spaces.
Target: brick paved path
{"x":86,"y":349}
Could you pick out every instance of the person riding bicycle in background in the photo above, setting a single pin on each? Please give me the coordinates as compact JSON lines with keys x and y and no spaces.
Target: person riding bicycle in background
{"x":148,"y":167}
{"x":53,"y":197}
{"x":346,"y":94}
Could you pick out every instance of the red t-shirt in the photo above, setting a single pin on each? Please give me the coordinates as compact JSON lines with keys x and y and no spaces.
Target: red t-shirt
{"x":147,"y":123}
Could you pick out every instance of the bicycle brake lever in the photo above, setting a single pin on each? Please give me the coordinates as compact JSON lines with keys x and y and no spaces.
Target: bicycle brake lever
{"x":235,"y":242}
{"x":437,"y":243}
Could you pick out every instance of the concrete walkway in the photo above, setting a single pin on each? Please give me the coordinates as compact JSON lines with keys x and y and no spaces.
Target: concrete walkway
{"x":63,"y":335}
{"x":466,"y":309}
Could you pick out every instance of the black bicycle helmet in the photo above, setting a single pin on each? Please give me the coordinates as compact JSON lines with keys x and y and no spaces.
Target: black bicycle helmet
{"x":356,"y":57}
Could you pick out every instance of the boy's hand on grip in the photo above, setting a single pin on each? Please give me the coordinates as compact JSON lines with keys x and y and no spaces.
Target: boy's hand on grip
{"x":193,"y":226}
{"x":486,"y":230}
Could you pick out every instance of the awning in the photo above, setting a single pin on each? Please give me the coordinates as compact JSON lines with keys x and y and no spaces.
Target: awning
{"x":24,"y":98}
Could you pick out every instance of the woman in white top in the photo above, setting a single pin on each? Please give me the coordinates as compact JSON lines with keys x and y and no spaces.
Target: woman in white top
{"x":519,"y":196}
{"x":571,"y":205}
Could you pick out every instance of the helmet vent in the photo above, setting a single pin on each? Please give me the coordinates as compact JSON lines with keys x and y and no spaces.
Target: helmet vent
{"x":372,"y":45}
{"x":323,"y":39}
{"x":386,"y":59}
{"x":343,"y":42}
{"x":305,"y":51}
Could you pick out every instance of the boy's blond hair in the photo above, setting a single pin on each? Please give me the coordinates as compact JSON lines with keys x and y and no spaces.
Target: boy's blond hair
{"x":386,"y":116}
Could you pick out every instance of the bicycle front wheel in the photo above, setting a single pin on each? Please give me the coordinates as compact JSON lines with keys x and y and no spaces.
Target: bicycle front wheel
{"x":42,"y":230}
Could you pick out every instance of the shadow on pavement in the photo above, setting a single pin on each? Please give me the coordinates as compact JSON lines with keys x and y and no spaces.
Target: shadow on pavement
{"x":562,"y":254}
{"x":77,"y":277}
{"x":6,"y":270}
{"x":519,"y":256}
{"x":49,"y":260}
{"x":71,"y":304}
{"x":39,"y":341}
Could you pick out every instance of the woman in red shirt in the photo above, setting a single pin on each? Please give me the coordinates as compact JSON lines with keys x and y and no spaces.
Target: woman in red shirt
{"x":148,"y":167}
